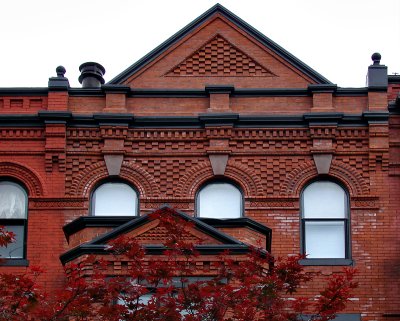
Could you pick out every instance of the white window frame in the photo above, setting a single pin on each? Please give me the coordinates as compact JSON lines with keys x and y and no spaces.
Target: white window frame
{"x":217,"y":182}
{"x":104,"y":183}
{"x":18,"y":221}
{"x":345,"y":220}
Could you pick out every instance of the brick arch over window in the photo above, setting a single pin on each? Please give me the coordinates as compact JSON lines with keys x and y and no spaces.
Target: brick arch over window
{"x":352,"y":179}
{"x":131,"y":172}
{"x":25,"y":175}
{"x":192,"y":180}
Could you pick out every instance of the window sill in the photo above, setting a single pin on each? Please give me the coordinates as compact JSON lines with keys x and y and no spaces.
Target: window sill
{"x":320,"y":262}
{"x":339,"y":317}
{"x":14,"y":262}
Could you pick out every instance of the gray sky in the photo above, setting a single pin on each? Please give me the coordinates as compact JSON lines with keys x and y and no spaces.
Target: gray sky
{"x":336,"y":38}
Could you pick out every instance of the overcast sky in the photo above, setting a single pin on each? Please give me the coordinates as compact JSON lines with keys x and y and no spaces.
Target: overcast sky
{"x":336,"y":38}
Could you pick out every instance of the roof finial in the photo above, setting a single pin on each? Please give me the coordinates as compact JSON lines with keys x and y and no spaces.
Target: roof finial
{"x":60,"y":70}
{"x":376,"y":58}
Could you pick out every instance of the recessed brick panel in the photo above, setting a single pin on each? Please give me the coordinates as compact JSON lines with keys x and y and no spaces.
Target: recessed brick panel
{"x":220,"y":58}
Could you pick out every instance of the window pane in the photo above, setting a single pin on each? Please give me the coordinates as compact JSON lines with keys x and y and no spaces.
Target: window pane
{"x":114,"y":199}
{"x":15,"y":249}
{"x":324,"y":200}
{"x":143,"y":299}
{"x":12,"y":201}
{"x":220,"y":200}
{"x":325,"y":239}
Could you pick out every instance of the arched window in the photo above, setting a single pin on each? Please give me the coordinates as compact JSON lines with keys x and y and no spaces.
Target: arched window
{"x":325,"y":220}
{"x":13,"y":216}
{"x":114,"y":198}
{"x":219,"y":200}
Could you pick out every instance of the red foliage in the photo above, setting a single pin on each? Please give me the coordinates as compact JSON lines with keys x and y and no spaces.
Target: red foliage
{"x":6,"y":237}
{"x":256,"y":287}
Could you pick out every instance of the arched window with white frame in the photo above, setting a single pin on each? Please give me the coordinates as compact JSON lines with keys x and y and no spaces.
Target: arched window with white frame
{"x":325,"y":221}
{"x":220,"y":199}
{"x":13,"y":216}
{"x":114,"y":198}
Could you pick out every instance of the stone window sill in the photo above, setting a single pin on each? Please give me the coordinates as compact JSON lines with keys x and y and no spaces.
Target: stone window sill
{"x":14,"y":262}
{"x":321,"y":262}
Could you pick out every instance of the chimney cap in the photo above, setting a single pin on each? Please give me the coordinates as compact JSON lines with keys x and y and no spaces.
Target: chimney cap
{"x":91,"y":74}
{"x":92,"y":64}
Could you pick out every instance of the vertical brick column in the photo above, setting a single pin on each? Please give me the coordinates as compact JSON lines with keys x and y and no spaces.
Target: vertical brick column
{"x":378,"y":123}
{"x":219,"y":98}
{"x":58,"y":91}
{"x":55,"y":145}
{"x":377,"y":85}
{"x":322,"y":97}
{"x":115,"y":98}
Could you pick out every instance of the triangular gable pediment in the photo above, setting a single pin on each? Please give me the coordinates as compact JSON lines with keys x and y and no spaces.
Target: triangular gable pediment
{"x":151,"y":233}
{"x":147,"y":231}
{"x":219,"y":48}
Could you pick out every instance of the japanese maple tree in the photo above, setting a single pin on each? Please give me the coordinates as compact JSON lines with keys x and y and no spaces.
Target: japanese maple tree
{"x":255,"y":286}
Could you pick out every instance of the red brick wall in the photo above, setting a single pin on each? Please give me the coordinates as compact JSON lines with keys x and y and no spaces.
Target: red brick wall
{"x":169,"y":165}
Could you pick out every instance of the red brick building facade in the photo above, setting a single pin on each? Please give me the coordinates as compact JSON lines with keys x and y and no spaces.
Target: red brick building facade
{"x":218,"y":107}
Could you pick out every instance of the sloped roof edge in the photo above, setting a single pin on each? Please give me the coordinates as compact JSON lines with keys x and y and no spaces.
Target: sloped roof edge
{"x":101,"y":249}
{"x":218,"y":8}
{"x":98,"y":245}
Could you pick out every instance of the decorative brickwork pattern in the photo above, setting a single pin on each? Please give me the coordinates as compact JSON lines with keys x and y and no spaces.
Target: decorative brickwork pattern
{"x":167,"y":172}
{"x":193,"y":178}
{"x":246,"y":177}
{"x":52,"y":160}
{"x":270,"y":146}
{"x":119,"y":265}
{"x":191,"y":181}
{"x":151,"y":204}
{"x":365,"y":202}
{"x":139,"y":177}
{"x":353,"y":179}
{"x":166,"y":134}
{"x":269,"y":203}
{"x":22,"y":133}
{"x":158,"y":235}
{"x":272,"y":169}
{"x":22,"y":105}
{"x":74,"y":166}
{"x":220,"y":58}
{"x":85,"y":181}
{"x":65,"y":203}
{"x":352,"y":144}
{"x":84,"y":140}
{"x":297,"y":178}
{"x":164,"y":140}
{"x":83,"y":133}
{"x":271,"y":133}
{"x":27,"y":176}
{"x":271,"y":141}
{"x":358,"y":161}
{"x":82,"y":145}
{"x":133,"y":147}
